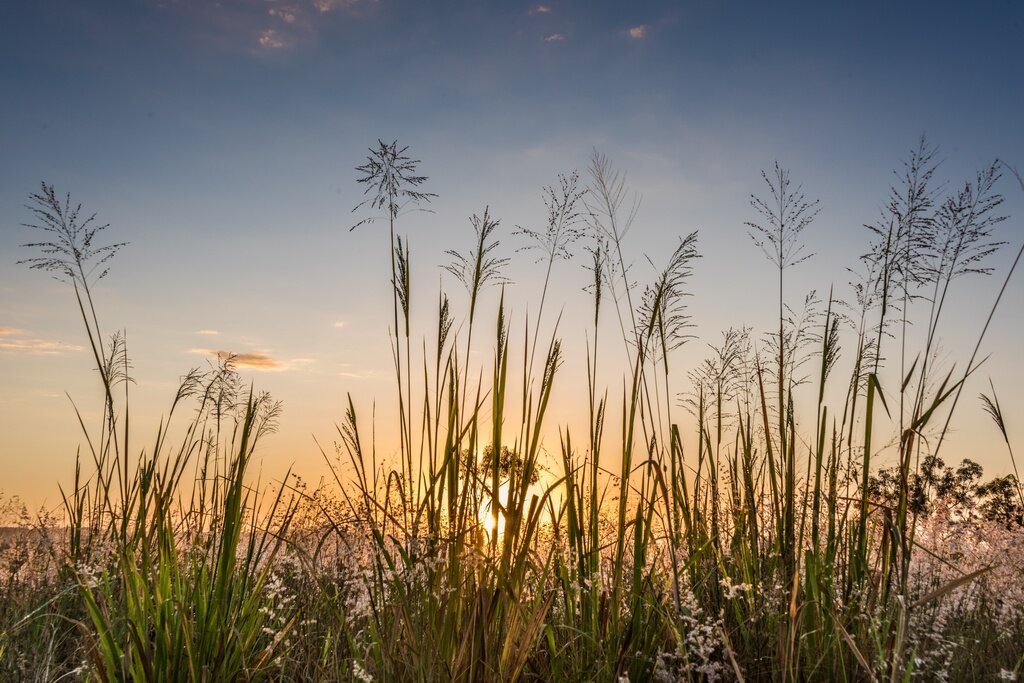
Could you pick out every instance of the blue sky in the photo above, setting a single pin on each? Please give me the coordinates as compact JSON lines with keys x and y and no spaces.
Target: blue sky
{"x":220,"y":138}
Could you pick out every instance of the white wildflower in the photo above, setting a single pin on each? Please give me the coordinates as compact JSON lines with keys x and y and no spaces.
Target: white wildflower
{"x":360,"y":674}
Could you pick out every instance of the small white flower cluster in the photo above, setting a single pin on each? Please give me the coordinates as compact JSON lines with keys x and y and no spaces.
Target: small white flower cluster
{"x":412,"y":574}
{"x":733,"y":590}
{"x":278,"y":609}
{"x":360,"y":674}
{"x":573,"y":585}
{"x":957,"y":545}
{"x":933,"y":653}
{"x":89,"y":575}
{"x":696,"y":655}
{"x":358,"y":602}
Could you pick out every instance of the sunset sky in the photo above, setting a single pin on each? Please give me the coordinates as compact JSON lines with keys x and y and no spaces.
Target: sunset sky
{"x":220,"y":140}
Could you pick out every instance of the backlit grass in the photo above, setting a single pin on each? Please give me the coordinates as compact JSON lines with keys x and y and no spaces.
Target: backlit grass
{"x":493,"y":545}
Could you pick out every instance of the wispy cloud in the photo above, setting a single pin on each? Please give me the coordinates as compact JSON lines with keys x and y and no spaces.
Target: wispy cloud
{"x":36,"y":346}
{"x":208,"y":333}
{"x":256,"y":360}
{"x":638,"y":32}
{"x":286,"y":14}
{"x":351,"y":375}
{"x":296,"y":23}
{"x":554,"y":38}
{"x":48,"y":394}
{"x":362,"y":375}
{"x":262,"y":25}
{"x":13,"y":340}
{"x":271,"y":39}
{"x":347,"y":5}
{"x":352,"y":371}
{"x":338,"y":324}
{"x":540,"y":9}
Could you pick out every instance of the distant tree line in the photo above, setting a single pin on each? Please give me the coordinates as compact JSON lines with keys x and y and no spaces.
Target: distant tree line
{"x":997,"y":500}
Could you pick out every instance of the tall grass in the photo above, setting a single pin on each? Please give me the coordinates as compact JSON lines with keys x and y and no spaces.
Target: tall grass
{"x":171,"y":581}
{"x":472,"y":553}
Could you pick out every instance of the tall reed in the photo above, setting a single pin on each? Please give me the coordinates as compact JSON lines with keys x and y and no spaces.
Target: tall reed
{"x":732,"y":540}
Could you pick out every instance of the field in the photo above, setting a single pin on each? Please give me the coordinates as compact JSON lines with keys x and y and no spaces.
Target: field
{"x":489,"y":544}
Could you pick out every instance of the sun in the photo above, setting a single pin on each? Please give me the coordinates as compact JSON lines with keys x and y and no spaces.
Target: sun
{"x":489,"y":517}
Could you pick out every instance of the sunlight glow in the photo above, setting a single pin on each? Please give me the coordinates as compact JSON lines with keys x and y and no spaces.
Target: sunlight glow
{"x":489,"y":516}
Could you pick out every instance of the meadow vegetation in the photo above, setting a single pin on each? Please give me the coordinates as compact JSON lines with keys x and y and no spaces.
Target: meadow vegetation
{"x":491,"y":545}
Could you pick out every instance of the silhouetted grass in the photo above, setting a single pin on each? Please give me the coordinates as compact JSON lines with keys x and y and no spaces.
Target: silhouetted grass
{"x":773,"y":552}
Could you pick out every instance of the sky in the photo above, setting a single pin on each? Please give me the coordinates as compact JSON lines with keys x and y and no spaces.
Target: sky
{"x":220,"y":138}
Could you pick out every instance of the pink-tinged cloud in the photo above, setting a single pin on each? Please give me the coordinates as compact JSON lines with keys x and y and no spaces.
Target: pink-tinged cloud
{"x":271,"y":40}
{"x":325,"y":6}
{"x":540,"y":9}
{"x":638,"y":32}
{"x":256,"y":360}
{"x":338,"y":324}
{"x":261,"y":26}
{"x":554,"y":38}
{"x":208,"y":333}
{"x":36,"y":346}
{"x":7,"y":331}
{"x":286,"y":14}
